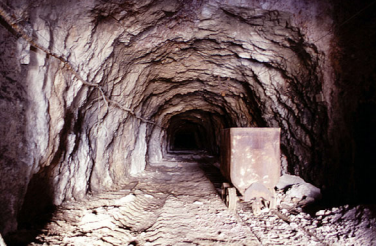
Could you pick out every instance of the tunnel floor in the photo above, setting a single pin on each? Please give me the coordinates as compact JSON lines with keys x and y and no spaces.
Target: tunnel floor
{"x":181,"y":206}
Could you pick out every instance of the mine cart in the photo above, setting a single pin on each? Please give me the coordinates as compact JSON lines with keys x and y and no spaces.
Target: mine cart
{"x":250,"y":160}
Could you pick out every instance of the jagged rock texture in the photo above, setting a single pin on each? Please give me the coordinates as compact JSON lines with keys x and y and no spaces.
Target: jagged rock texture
{"x":160,"y":66}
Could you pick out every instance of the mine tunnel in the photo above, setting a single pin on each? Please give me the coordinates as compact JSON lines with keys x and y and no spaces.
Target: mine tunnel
{"x":99,"y":95}
{"x":186,"y":135}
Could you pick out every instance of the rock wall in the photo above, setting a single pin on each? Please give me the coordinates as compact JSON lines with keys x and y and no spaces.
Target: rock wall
{"x":354,"y":100}
{"x":15,"y":162}
{"x":115,"y":81}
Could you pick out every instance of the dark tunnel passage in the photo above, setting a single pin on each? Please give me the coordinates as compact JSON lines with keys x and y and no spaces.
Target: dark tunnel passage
{"x":195,"y":131}
{"x":186,"y":140}
{"x":188,"y":136}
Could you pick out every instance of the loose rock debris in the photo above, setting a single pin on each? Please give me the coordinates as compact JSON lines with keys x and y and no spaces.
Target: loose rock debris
{"x":180,"y":206}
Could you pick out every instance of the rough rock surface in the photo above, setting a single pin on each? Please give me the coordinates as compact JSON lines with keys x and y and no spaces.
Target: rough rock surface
{"x":129,"y":75}
{"x":287,"y":180}
{"x":15,"y":162}
{"x":168,"y":206}
{"x":326,"y":227}
{"x":105,"y":88}
{"x":304,"y":190}
{"x":297,"y":190}
{"x":180,"y":206}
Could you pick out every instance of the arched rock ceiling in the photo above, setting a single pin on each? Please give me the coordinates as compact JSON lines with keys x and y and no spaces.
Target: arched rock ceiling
{"x":249,"y":65}
{"x":241,"y":65}
{"x":157,"y":63}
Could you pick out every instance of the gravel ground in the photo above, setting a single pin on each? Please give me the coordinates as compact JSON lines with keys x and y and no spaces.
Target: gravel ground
{"x":181,"y":206}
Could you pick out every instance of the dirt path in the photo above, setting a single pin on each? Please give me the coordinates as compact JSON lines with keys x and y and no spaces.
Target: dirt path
{"x":168,"y":206}
{"x":181,"y":206}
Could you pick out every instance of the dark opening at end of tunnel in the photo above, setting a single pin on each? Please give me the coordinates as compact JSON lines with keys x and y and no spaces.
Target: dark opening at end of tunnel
{"x":195,"y":132}
{"x":187,"y":137}
{"x":186,"y":141}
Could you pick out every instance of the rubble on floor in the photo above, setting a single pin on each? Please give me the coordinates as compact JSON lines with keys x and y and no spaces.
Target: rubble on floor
{"x":298,"y":191}
{"x":180,"y":206}
{"x":342,"y":225}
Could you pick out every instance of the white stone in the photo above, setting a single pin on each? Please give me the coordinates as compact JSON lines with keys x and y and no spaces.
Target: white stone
{"x":320,"y":212}
{"x":2,"y":243}
{"x":138,"y":161}
{"x":288,"y":180}
{"x":126,"y":199}
{"x":24,"y":51}
{"x":304,"y":190}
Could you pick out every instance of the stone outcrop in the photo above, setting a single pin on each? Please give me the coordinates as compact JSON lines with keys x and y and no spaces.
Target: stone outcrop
{"x":15,"y":161}
{"x":101,"y":89}
{"x":288,"y":180}
{"x":298,"y":192}
{"x":2,"y":243}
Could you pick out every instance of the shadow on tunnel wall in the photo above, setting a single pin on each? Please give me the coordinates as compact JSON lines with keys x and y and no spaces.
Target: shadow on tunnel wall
{"x":352,"y":176}
{"x":365,"y":159}
{"x":38,"y":206}
{"x":36,"y":211}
